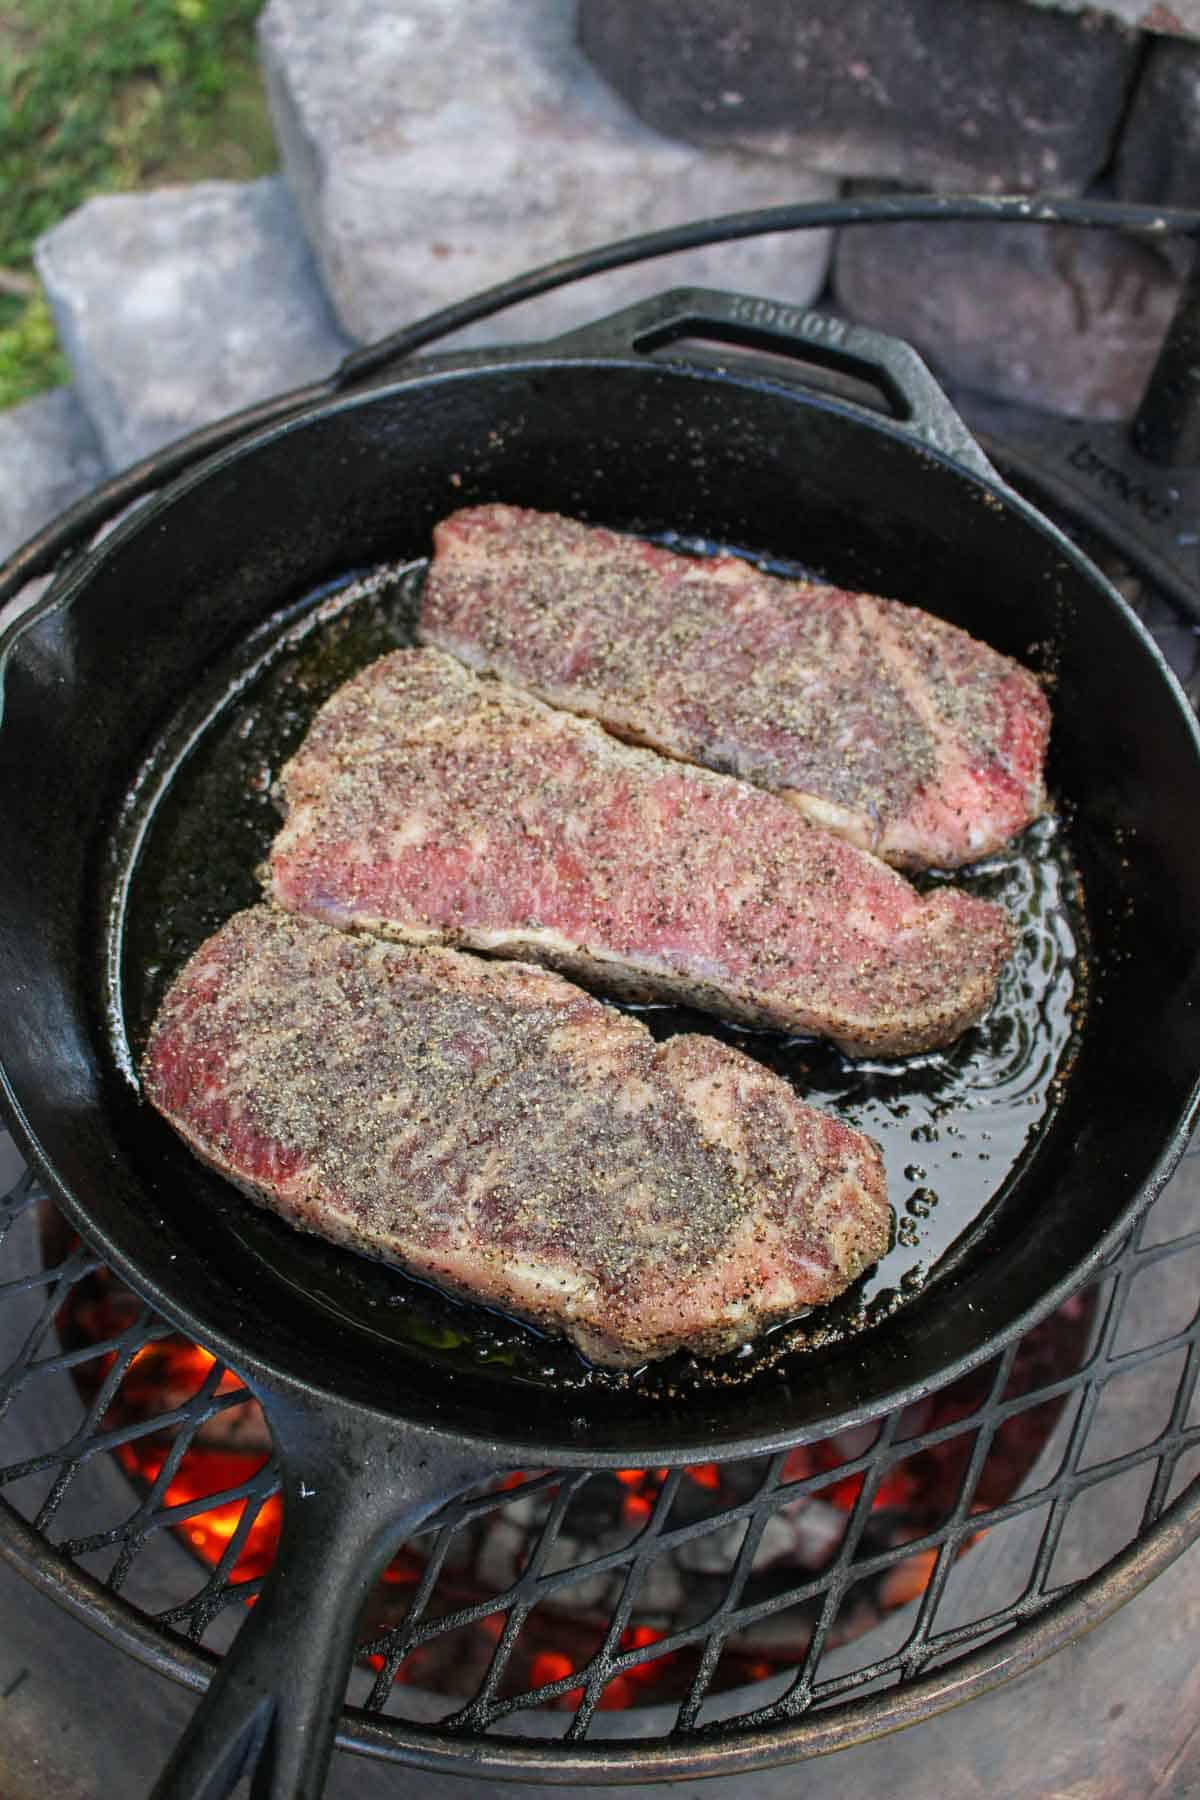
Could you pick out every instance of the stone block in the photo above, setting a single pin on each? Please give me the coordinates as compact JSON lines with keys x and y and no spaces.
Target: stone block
{"x":179,"y":306}
{"x":440,"y":147}
{"x":1063,"y":319}
{"x":1181,"y":18}
{"x":934,"y":93}
{"x":1158,"y":157}
{"x":49,"y":457}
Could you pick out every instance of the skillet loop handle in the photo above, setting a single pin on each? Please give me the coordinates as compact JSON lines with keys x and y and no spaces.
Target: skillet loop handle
{"x":274,"y":1704}
{"x":888,"y":364}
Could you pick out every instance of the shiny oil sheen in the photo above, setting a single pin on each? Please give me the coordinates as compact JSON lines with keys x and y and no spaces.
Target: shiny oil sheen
{"x":957,"y":1126}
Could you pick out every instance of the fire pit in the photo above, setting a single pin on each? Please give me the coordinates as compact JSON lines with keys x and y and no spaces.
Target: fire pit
{"x":811,"y":1575}
{"x":596,"y":1520}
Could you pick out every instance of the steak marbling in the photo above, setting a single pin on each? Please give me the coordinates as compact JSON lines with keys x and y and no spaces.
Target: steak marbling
{"x":433,"y":806}
{"x":891,"y":727}
{"x":492,"y":1128}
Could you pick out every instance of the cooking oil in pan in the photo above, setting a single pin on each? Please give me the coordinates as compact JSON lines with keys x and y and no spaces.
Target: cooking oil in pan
{"x":958,"y":1127}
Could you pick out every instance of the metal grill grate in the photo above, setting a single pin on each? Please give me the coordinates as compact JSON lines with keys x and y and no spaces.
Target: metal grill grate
{"x":1129,"y":1410}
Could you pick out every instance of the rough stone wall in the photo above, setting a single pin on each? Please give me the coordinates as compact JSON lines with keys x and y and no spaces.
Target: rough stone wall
{"x":934,"y":94}
{"x":431,"y":148}
{"x":1180,"y":18}
{"x":441,"y":146}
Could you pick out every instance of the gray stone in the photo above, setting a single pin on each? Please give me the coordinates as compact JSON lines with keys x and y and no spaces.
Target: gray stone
{"x":49,"y":457}
{"x":931,"y":92}
{"x":179,"y":306}
{"x":1066,"y":320}
{"x":1181,"y":17}
{"x":440,"y":147}
{"x":1158,"y":158}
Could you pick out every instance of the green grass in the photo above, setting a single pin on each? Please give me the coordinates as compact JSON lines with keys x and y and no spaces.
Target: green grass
{"x":102,"y":96}
{"x":30,"y":359}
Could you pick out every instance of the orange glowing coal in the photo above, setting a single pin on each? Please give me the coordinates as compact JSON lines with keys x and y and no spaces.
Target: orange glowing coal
{"x":165,"y":1374}
{"x":161,"y":1376}
{"x":623,"y":1690}
{"x":209,"y":1533}
{"x":557,"y":1646}
{"x":642,"y":1488}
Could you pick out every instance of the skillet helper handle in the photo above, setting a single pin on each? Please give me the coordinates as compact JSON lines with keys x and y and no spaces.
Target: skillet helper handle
{"x":700,"y":315}
{"x":273,"y":1706}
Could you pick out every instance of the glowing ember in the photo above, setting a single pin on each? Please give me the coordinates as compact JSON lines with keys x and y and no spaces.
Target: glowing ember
{"x":210,"y":1532}
{"x":705,"y":1475}
{"x":561,"y":1637}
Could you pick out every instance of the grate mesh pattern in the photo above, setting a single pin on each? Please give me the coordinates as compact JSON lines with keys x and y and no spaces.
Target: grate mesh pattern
{"x":714,"y":1650}
{"x":33,"y":1400}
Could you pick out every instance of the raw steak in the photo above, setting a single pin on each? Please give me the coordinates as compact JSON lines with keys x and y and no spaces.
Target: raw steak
{"x":489,"y":1126}
{"x":878,"y":721}
{"x":431,"y":805}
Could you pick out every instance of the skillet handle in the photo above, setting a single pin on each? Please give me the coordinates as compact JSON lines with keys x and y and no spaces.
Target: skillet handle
{"x":274,"y":1704}
{"x":888,"y":364}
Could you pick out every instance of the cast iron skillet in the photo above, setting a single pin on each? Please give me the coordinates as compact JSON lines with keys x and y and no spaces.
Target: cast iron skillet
{"x":615,"y":425}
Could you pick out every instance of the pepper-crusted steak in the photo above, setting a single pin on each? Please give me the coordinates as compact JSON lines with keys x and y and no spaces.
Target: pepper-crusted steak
{"x":489,"y":1126}
{"x":433,"y":806}
{"x":894,"y":729}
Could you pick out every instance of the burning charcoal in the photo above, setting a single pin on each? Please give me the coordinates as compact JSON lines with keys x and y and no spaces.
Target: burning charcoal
{"x":806,"y":1531}
{"x":237,"y":1428}
{"x":801,"y":1536}
{"x":856,"y":1440}
{"x":501,"y":1552}
{"x":664,"y":1591}
{"x":715,"y":1552}
{"x":907,"y":1580}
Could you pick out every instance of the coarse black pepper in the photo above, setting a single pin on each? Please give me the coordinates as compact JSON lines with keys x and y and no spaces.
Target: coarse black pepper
{"x":489,"y":1126}
{"x":428,"y":804}
{"x":874,"y":717}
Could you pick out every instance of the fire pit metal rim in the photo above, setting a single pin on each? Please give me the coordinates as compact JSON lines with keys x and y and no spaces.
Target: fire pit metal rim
{"x":1034,"y":1627}
{"x":1048,"y":1629}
